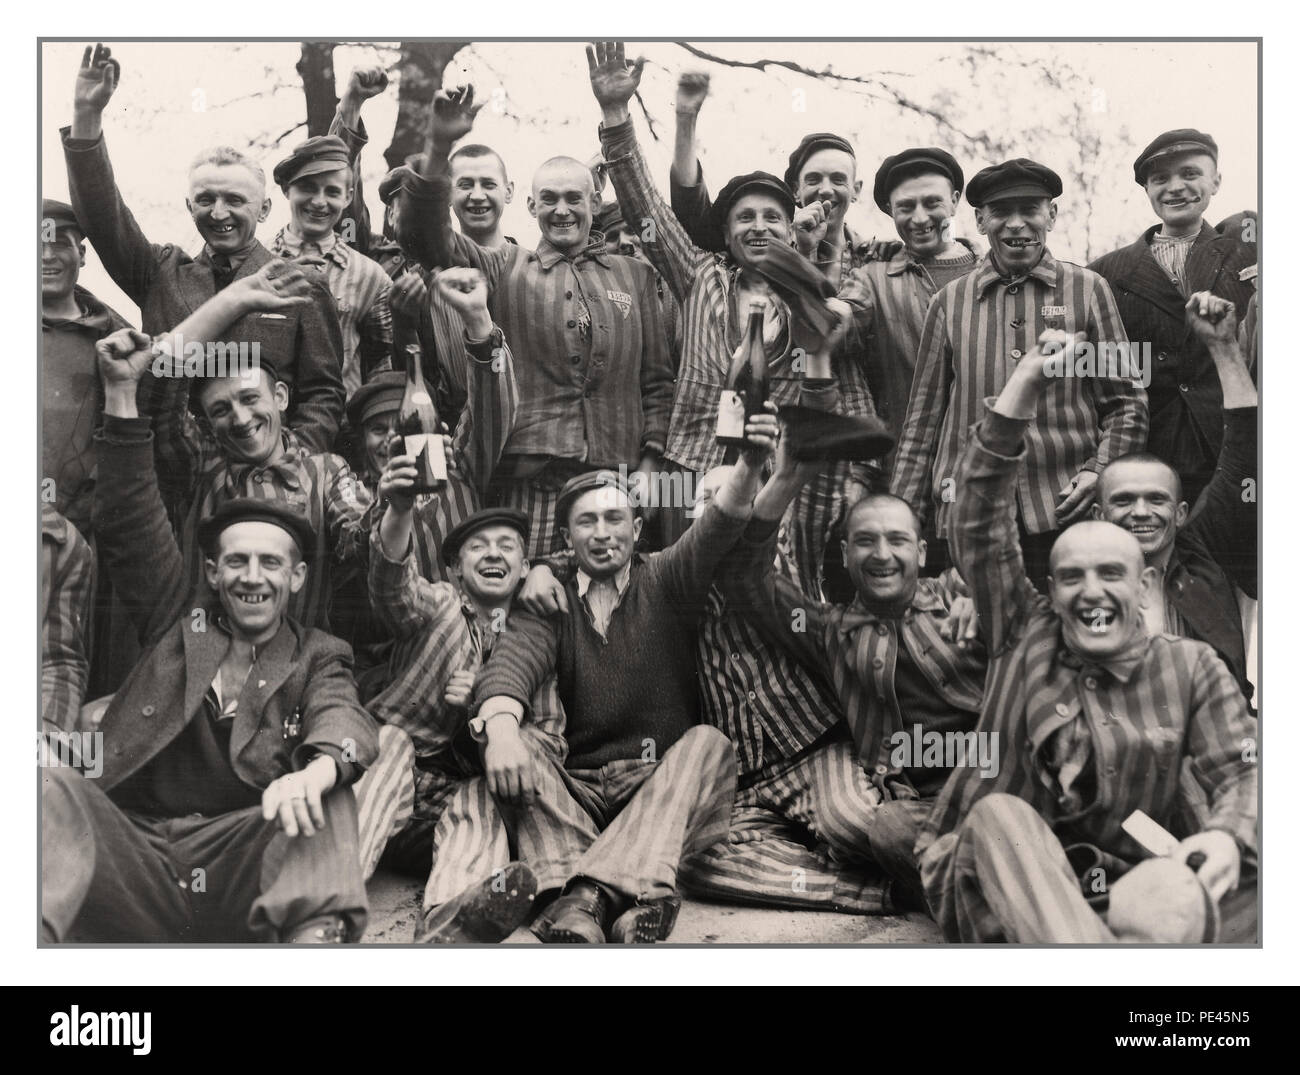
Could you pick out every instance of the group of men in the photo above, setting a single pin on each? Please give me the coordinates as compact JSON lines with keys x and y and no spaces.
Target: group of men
{"x":958,"y":631}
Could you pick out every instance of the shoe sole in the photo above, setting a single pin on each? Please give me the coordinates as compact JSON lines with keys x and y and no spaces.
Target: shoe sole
{"x":486,"y":914}
{"x":650,"y":923}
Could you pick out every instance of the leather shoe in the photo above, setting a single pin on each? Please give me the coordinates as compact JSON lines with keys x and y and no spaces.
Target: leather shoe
{"x":485,"y":913}
{"x":645,"y":923}
{"x":578,"y":916}
{"x":328,"y":929}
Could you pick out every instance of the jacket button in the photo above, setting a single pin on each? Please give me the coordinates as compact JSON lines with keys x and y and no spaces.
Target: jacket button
{"x":882,"y":768}
{"x":878,"y":662}
{"x":1161,"y":357}
{"x":1182,"y":388}
{"x":573,"y":324}
{"x":147,"y":711}
{"x":881,"y":629}
{"x":568,"y":294}
{"x":574,"y":359}
{"x":1090,"y":683}
{"x":752,"y":696}
{"x":1062,"y":709}
{"x":1016,"y":352}
{"x":1014,"y":289}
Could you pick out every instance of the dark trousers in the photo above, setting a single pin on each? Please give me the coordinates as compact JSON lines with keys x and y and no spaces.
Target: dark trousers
{"x":112,"y":876}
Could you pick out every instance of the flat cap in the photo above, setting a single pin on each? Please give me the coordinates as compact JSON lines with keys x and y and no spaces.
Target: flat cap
{"x":740,"y":185}
{"x":809,"y":145}
{"x":1016,"y":178}
{"x":912,"y":162}
{"x":61,"y":213}
{"x":251,"y":509}
{"x":1183,"y":140}
{"x":382,"y":393}
{"x":609,"y":218}
{"x":511,"y":517}
{"x":584,"y":483}
{"x":818,"y":435}
{"x":324,"y":153}
{"x":392,"y":182}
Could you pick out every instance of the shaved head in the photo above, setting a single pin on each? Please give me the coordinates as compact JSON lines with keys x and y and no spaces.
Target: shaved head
{"x":566,"y":170}
{"x":1095,"y":538}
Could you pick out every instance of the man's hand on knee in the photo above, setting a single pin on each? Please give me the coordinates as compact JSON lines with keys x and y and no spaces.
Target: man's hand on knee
{"x":294,"y":800}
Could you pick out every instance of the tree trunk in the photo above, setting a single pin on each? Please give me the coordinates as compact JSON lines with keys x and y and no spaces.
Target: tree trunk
{"x":419,"y":78}
{"x":316,"y":66}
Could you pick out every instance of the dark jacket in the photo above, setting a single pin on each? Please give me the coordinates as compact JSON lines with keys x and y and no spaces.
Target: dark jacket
{"x":301,"y":672}
{"x":1219,"y":546}
{"x":304,"y":343}
{"x":1184,"y":399}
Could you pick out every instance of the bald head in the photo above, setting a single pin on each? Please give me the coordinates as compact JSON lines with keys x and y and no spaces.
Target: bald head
{"x":1092,"y":541}
{"x":564,"y":201}
{"x":563,"y":170}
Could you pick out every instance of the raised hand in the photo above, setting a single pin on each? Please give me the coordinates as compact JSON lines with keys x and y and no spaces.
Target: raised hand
{"x":278,"y":285}
{"x":810,"y":224}
{"x":453,"y":116}
{"x":123,"y":356}
{"x":692,"y":89}
{"x":398,"y":477}
{"x":465,"y":290}
{"x":613,"y":80}
{"x":366,"y":82}
{"x":408,"y":295}
{"x":97,"y":78}
{"x":1214,"y":320}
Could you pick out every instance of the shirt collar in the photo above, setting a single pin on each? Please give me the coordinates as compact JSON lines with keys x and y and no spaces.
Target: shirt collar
{"x":621,"y":580}
{"x":288,"y":468}
{"x":287,"y":242}
{"x":547,"y":255}
{"x":858,"y":614}
{"x":987,"y":274}
{"x":1122,"y":666}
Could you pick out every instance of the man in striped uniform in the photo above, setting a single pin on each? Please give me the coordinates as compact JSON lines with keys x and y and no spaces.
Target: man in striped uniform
{"x":644,"y":787}
{"x":317,"y":181}
{"x":1155,"y":275}
{"x":714,"y":290}
{"x":67,"y":587}
{"x":1093,"y":717}
{"x":980,"y":326}
{"x":595,"y":384}
{"x":242,"y":449}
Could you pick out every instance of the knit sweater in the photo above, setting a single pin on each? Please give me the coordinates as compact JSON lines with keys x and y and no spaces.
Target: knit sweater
{"x":634,"y":693}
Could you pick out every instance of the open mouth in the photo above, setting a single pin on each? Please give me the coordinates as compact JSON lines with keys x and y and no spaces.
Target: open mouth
{"x":250,"y":433}
{"x":1141,"y":530}
{"x":1179,"y":203}
{"x":252,"y":598}
{"x":478,"y":210}
{"x":51,"y":272}
{"x":757,"y":244}
{"x":924,"y":232}
{"x":882,"y":572}
{"x":493,"y":572}
{"x":1019,"y":244}
{"x":1097,"y":619}
{"x":221,"y":229}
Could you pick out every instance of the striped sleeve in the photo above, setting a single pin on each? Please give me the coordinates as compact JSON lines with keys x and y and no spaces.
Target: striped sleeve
{"x":346,"y":501}
{"x":402,"y":600}
{"x":68,"y":581}
{"x":1221,"y":737}
{"x":1121,"y":401}
{"x":489,"y":418}
{"x":375,"y":331}
{"x":663,"y":238}
{"x":931,"y":386}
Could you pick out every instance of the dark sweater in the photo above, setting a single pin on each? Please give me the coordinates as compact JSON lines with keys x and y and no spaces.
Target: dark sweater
{"x":633,"y":695}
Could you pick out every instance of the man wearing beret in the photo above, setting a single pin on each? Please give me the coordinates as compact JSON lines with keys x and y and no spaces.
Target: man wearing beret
{"x":919,"y":188}
{"x":1153,"y":278}
{"x":222,"y":811}
{"x":317,"y":181}
{"x":1093,"y":716}
{"x":227,"y":200}
{"x":218,"y":435}
{"x":595,"y":384}
{"x":752,"y":212}
{"x":979,"y":327}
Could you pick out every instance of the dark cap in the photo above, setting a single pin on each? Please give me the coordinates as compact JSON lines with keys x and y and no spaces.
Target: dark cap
{"x":816,"y":435}
{"x":912,"y":162}
{"x":250,"y":509}
{"x":1017,"y":178}
{"x":809,"y":145}
{"x":486,"y":517}
{"x":1183,"y":140}
{"x":609,"y":218}
{"x":740,"y":185}
{"x":324,"y":153}
{"x":61,"y":213}
{"x":584,"y":483}
{"x":381,"y":393}
{"x":392,"y":182}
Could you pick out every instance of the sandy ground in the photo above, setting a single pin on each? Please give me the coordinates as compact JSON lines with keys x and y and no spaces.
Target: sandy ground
{"x":394,"y":903}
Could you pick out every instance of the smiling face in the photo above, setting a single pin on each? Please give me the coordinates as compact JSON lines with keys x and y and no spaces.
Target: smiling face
{"x":922,"y":207}
{"x":245,"y":415}
{"x":377,"y":435}
{"x":830,"y":175}
{"x":883,"y":550}
{"x":564,"y":201}
{"x":226,"y":202}
{"x":1017,"y":230}
{"x":62,"y":260}
{"x":753,"y":222}
{"x":1180,"y":187}
{"x":317,"y":201}
{"x":602,"y":531}
{"x":491,"y":564}
{"x":1099,"y":584}
{"x":258,"y":566}
{"x":479,"y":193}
{"x":1143,"y":497}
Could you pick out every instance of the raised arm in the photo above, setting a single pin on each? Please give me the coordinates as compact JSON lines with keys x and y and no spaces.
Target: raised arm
{"x":686,"y":186}
{"x":130,"y":259}
{"x":664,"y":240}
{"x":982,"y":530}
{"x":363,"y":83}
{"x":931,"y":389}
{"x":1226,"y":520}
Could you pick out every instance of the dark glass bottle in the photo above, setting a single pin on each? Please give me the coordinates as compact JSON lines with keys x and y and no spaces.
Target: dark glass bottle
{"x":418,"y":426}
{"x":745,"y":392}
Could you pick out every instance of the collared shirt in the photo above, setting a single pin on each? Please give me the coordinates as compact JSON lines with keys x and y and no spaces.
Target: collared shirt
{"x":703,"y":284}
{"x":67,"y":582}
{"x":897,"y":294}
{"x":857,"y":650}
{"x":976,"y":330}
{"x":1163,"y":700}
{"x":600,"y":597}
{"x":360,"y":289}
{"x":438,"y":632}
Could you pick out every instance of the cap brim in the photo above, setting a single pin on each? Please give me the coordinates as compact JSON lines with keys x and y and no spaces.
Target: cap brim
{"x":316,"y":167}
{"x":1023,"y":190}
{"x":816,"y":436}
